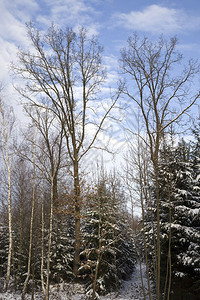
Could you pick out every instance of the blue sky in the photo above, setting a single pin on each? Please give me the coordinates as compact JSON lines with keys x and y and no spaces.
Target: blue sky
{"x":112,"y":21}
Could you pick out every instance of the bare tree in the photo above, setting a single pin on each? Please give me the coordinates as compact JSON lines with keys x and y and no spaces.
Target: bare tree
{"x":20,"y":195}
{"x":32,"y":218}
{"x":162,"y":93}
{"x":7,"y":122}
{"x":138,"y":185}
{"x":49,"y":155}
{"x":65,"y":72}
{"x":42,"y":238}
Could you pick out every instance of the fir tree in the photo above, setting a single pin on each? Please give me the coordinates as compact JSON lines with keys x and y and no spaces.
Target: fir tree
{"x":3,"y":249}
{"x":62,"y":249}
{"x":108,"y":253}
{"x":180,"y":222}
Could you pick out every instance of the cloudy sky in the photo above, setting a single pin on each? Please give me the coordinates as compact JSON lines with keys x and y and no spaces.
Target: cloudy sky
{"x":112,"y":21}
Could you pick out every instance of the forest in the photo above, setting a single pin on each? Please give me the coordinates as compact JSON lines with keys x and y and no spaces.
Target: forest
{"x":64,"y":223}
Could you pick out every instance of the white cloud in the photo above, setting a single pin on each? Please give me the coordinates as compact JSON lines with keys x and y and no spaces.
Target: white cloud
{"x":189,"y":47}
{"x":13,"y":16}
{"x":157,"y":19}
{"x":67,"y":12}
{"x":22,"y":9}
{"x":7,"y":54}
{"x":92,"y":29}
{"x":10,"y":27}
{"x":12,"y":31}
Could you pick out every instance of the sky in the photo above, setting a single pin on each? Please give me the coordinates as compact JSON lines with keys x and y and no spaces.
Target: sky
{"x":112,"y":21}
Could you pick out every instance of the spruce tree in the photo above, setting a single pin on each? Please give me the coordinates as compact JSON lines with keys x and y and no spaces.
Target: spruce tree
{"x":108,"y":253}
{"x":180,"y":222}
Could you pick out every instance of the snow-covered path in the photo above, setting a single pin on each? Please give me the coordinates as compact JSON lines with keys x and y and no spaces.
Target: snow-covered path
{"x":131,"y":289}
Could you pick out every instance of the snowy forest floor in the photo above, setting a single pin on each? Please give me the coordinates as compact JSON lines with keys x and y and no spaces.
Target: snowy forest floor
{"x":130,"y":290}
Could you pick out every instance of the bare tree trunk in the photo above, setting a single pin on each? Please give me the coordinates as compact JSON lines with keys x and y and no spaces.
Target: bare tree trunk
{"x":141,"y":274}
{"x":169,"y":258}
{"x":167,"y":288}
{"x":31,"y":232}
{"x":96,"y":275}
{"x":9,"y":197}
{"x":50,"y":237}
{"x":20,"y":225}
{"x":157,"y":236}
{"x":9,"y":222}
{"x":98,"y":252}
{"x":42,"y":240}
{"x":33,"y":281}
{"x":145,"y":246}
{"x":143,"y":191}
{"x":77,"y":218}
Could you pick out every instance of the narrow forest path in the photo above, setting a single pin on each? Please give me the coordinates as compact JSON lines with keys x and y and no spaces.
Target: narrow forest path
{"x":132,"y":288}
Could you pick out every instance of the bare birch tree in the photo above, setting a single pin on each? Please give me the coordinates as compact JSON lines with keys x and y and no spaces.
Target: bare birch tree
{"x":163,"y":94}
{"x":31,"y":219}
{"x":49,"y":151}
{"x":20,"y":177}
{"x":65,"y":72}
{"x":7,"y":121}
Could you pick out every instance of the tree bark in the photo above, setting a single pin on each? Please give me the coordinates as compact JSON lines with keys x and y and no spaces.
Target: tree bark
{"x":42,"y":239}
{"x":7,"y":159}
{"x":31,"y":231}
{"x":20,"y":225}
{"x":50,"y":237}
{"x":77,"y":218}
{"x":9,"y":222}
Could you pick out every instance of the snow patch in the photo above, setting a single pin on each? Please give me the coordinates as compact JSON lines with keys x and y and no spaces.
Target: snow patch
{"x":130,"y":290}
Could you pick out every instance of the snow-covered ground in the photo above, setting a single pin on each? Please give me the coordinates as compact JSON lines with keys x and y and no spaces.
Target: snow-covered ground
{"x":130,"y":290}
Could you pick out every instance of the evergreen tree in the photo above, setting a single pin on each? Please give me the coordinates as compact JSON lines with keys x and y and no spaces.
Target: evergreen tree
{"x":62,"y":249}
{"x":4,"y":239}
{"x":180,"y":222}
{"x":108,"y":253}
